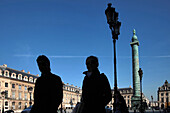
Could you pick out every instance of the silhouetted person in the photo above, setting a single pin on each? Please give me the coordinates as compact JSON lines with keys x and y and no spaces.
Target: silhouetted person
{"x":48,"y":91}
{"x":120,"y":103}
{"x":96,"y":91}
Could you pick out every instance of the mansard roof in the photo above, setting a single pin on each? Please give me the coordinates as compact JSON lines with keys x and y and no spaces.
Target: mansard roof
{"x":4,"y":69}
{"x":165,"y":86}
{"x":125,"y":90}
{"x":20,"y":72}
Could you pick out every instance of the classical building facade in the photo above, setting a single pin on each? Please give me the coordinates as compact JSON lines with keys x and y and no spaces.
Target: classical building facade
{"x":16,"y":83}
{"x":164,"y":95}
{"x":127,"y":93}
{"x":71,"y":95}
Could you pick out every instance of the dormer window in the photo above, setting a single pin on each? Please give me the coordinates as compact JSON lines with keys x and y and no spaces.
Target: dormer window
{"x":20,"y":76}
{"x":35,"y":80}
{"x":30,"y":79}
{"x":13,"y":75}
{"x":25,"y":78}
{"x":6,"y":73}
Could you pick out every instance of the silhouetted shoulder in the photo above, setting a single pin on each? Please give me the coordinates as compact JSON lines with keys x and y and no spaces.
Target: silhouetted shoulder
{"x":56,"y":76}
{"x":103,"y":76}
{"x":104,"y":79}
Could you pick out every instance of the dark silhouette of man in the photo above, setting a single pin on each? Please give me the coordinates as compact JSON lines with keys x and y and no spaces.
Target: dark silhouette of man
{"x":48,"y":92}
{"x":96,"y":91}
{"x":120,"y":103}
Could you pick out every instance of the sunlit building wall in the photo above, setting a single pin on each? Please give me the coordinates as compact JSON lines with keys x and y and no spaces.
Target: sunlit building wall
{"x":164,"y":95}
{"x":16,"y":83}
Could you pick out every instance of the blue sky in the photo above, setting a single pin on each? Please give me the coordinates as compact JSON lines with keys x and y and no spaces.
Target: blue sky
{"x":68,"y":31}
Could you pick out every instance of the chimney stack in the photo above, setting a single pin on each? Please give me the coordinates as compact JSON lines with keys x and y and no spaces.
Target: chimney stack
{"x":22,"y":70}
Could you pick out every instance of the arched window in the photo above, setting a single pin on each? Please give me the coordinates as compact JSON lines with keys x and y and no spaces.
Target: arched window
{"x":20,"y":76}
{"x":19,"y":105}
{"x":30,"y":79}
{"x":6,"y":103}
{"x":6,"y":73}
{"x":25,"y":78}
{"x":25,"y":104}
{"x":13,"y":105}
{"x":13,"y":75}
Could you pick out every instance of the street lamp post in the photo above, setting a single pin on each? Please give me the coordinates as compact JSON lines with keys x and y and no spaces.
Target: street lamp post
{"x":3,"y":96}
{"x":152,"y":103}
{"x":71,"y":102}
{"x":114,"y":25}
{"x":141,"y":75}
{"x":30,"y":91}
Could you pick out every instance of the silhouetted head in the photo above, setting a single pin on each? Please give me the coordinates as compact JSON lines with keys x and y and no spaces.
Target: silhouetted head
{"x":92,"y":63}
{"x":43,"y":64}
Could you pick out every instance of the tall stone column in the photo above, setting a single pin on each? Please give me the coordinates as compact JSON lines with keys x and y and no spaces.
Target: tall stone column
{"x":135,"y":68}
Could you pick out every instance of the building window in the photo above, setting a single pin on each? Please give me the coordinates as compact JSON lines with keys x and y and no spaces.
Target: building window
{"x":162,"y":94}
{"x":25,"y":104}
{"x":25,"y":88}
{"x":167,"y":99}
{"x":13,"y":85}
{"x":166,"y":94}
{"x":30,"y":79}
{"x":6,"y":94}
{"x":19,"y":87}
{"x":6,"y":103}
{"x":25,"y":96}
{"x":19,"y":105}
{"x":25,"y":78}
{"x":19,"y":76}
{"x":13,"y":105}
{"x":6,"y":73}
{"x":13,"y":75}
{"x":6,"y":84}
{"x":20,"y":96}
{"x":35,"y":80}
{"x":162,"y":99}
{"x":13,"y":95}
